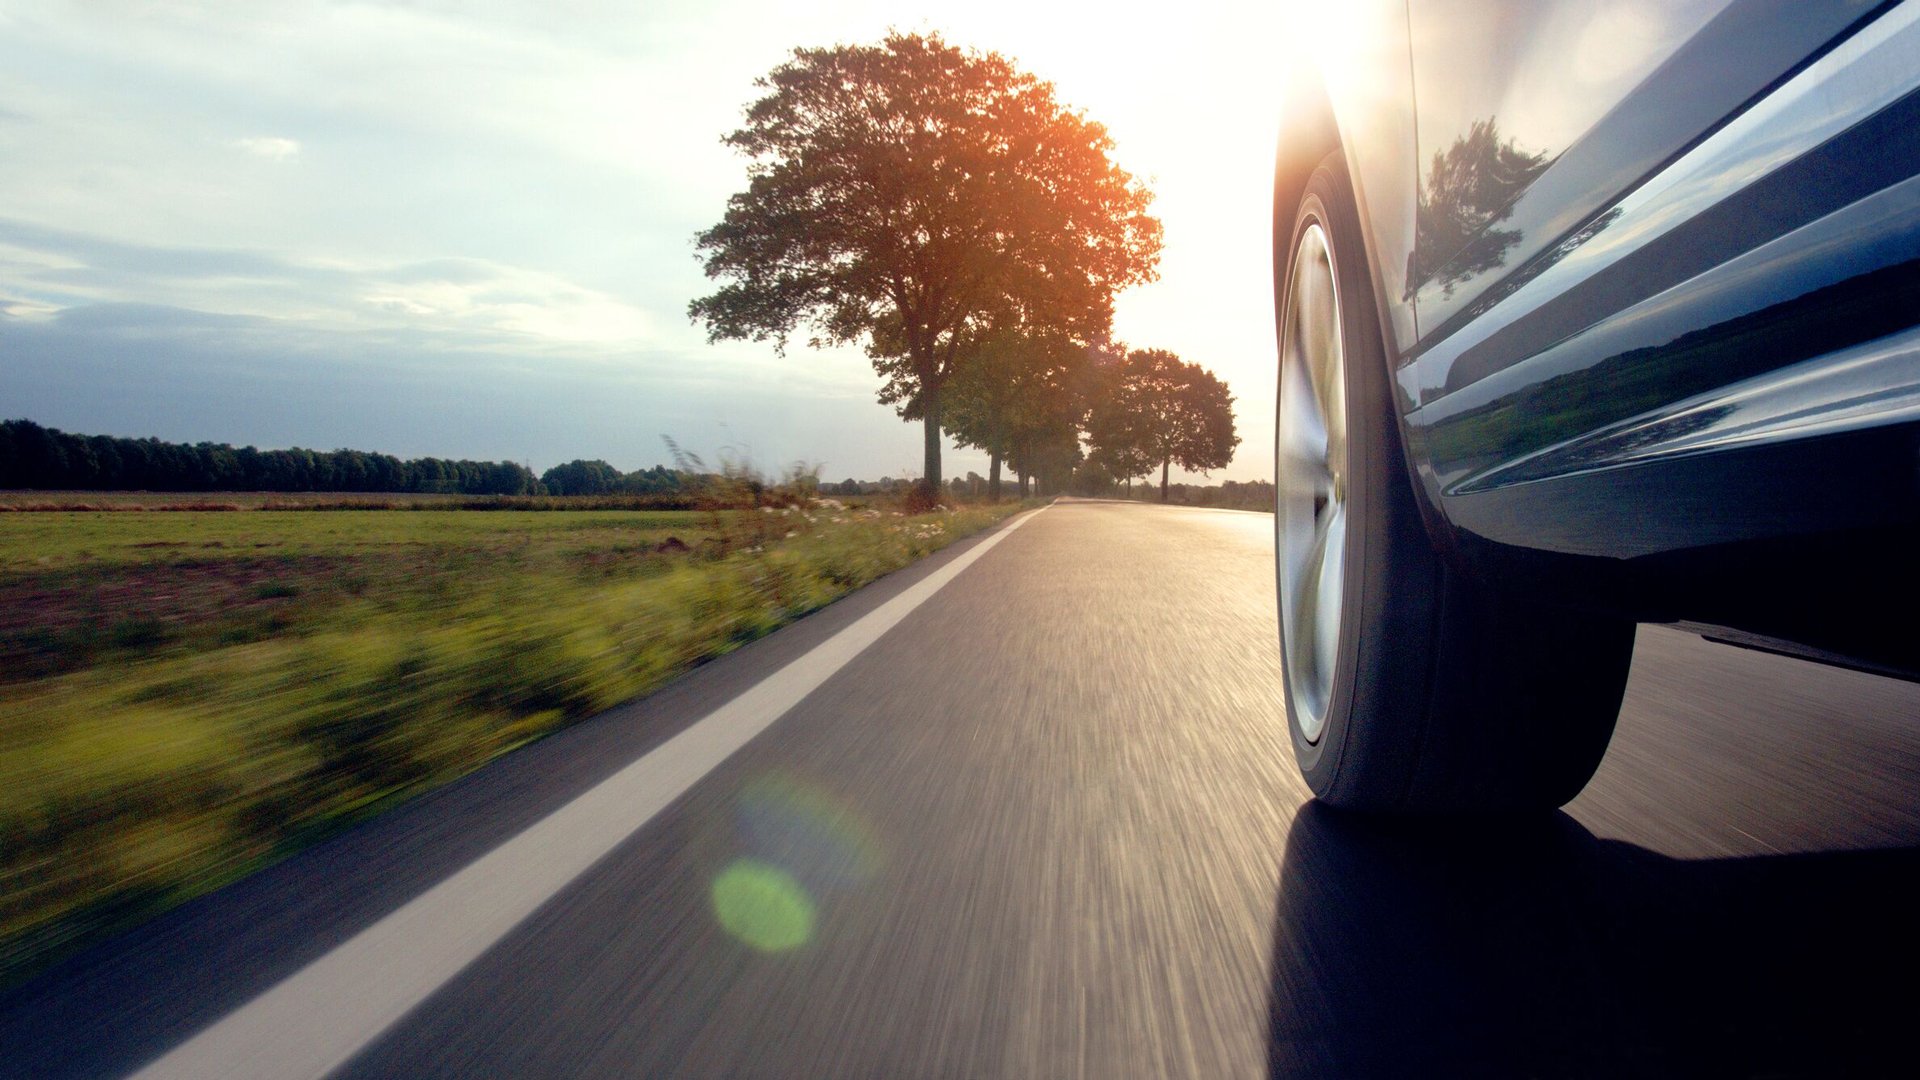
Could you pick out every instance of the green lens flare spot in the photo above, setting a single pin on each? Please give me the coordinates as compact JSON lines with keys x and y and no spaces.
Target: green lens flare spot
{"x":763,"y":906}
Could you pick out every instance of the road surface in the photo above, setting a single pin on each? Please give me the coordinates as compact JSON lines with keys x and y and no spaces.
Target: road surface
{"x":1042,"y":820}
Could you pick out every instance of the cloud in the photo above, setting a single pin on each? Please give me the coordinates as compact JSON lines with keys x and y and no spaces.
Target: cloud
{"x":270,"y":147}
{"x":14,"y":307}
{"x":61,"y":268}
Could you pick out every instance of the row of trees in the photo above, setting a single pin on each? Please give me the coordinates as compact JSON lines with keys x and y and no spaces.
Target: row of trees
{"x":32,"y":456}
{"x":1067,"y":416}
{"x":941,"y":208}
{"x":1091,"y":480}
{"x":1101,"y":413}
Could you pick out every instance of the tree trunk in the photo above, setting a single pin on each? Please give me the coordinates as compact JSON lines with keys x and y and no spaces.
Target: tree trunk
{"x":930,"y":474}
{"x":1165,"y":464}
{"x":993,"y":479}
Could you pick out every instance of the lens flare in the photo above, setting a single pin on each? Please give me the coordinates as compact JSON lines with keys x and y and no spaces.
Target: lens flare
{"x":819,"y":838}
{"x":763,"y":906}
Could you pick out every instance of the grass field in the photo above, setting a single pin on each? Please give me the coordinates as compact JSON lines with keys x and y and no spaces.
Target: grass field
{"x":28,"y":541}
{"x":184,"y":696}
{"x":119,"y":501}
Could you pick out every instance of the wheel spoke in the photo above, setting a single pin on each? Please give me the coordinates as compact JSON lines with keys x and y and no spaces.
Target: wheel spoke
{"x":1319,"y":331}
{"x":1327,"y":585}
{"x":1310,"y":450}
{"x":1306,"y":594}
{"x":1325,"y":364}
{"x":1303,"y":437}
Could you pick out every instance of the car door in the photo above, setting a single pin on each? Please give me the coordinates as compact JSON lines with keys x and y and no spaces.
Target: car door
{"x":1599,"y":181}
{"x":1533,"y":116}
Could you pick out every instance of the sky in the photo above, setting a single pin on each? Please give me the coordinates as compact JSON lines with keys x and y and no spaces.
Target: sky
{"x":465,"y":228}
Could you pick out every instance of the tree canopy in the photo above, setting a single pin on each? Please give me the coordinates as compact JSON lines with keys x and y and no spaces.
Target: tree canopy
{"x":579,"y":477}
{"x":911,"y":196}
{"x":1017,"y":387}
{"x":1161,"y":410}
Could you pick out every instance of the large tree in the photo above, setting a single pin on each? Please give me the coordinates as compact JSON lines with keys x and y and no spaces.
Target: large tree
{"x":911,"y":195}
{"x":1160,"y":410}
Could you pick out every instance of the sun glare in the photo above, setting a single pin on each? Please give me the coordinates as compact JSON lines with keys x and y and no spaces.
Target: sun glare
{"x":1193,"y":107}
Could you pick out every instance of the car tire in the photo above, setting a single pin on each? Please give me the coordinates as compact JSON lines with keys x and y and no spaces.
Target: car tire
{"x":1415,"y":688}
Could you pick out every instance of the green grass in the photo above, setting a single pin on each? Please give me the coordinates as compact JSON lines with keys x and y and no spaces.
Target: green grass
{"x":186,"y":696}
{"x":36,"y":541}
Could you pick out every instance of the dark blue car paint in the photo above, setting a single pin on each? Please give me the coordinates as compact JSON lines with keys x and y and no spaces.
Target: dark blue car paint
{"x":1746,"y":49}
{"x":1715,"y":425}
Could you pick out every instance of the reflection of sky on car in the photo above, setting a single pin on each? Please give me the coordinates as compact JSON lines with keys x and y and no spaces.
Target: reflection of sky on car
{"x":1558,"y":65}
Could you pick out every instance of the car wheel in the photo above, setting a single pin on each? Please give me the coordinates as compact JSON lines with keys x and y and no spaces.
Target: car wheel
{"x":1410,"y":686}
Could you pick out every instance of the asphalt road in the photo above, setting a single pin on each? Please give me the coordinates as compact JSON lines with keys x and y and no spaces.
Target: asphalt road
{"x":1048,"y":825}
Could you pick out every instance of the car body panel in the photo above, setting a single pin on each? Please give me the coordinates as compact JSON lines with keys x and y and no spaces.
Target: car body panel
{"x":1790,"y":232}
{"x":1837,"y":289}
{"x":1560,"y":109}
{"x":1677,"y":354}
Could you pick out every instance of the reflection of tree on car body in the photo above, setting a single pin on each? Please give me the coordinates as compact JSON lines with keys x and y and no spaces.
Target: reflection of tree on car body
{"x":1469,"y":190}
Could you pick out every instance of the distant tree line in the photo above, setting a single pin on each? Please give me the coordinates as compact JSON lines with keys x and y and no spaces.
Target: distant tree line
{"x":1232,"y":495}
{"x":596,"y":477}
{"x":886,"y":485}
{"x":43,"y":458}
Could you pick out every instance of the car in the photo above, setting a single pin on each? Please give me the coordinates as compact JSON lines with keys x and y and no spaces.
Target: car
{"x":1590,"y":314}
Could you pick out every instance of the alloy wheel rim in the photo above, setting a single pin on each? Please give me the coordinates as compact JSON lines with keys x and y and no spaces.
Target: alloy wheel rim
{"x":1310,"y":468}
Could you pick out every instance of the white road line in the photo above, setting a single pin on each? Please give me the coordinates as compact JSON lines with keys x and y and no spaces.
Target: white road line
{"x":323,"y":1014}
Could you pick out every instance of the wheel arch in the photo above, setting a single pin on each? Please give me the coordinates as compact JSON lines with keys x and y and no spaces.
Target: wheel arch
{"x":1376,"y":141}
